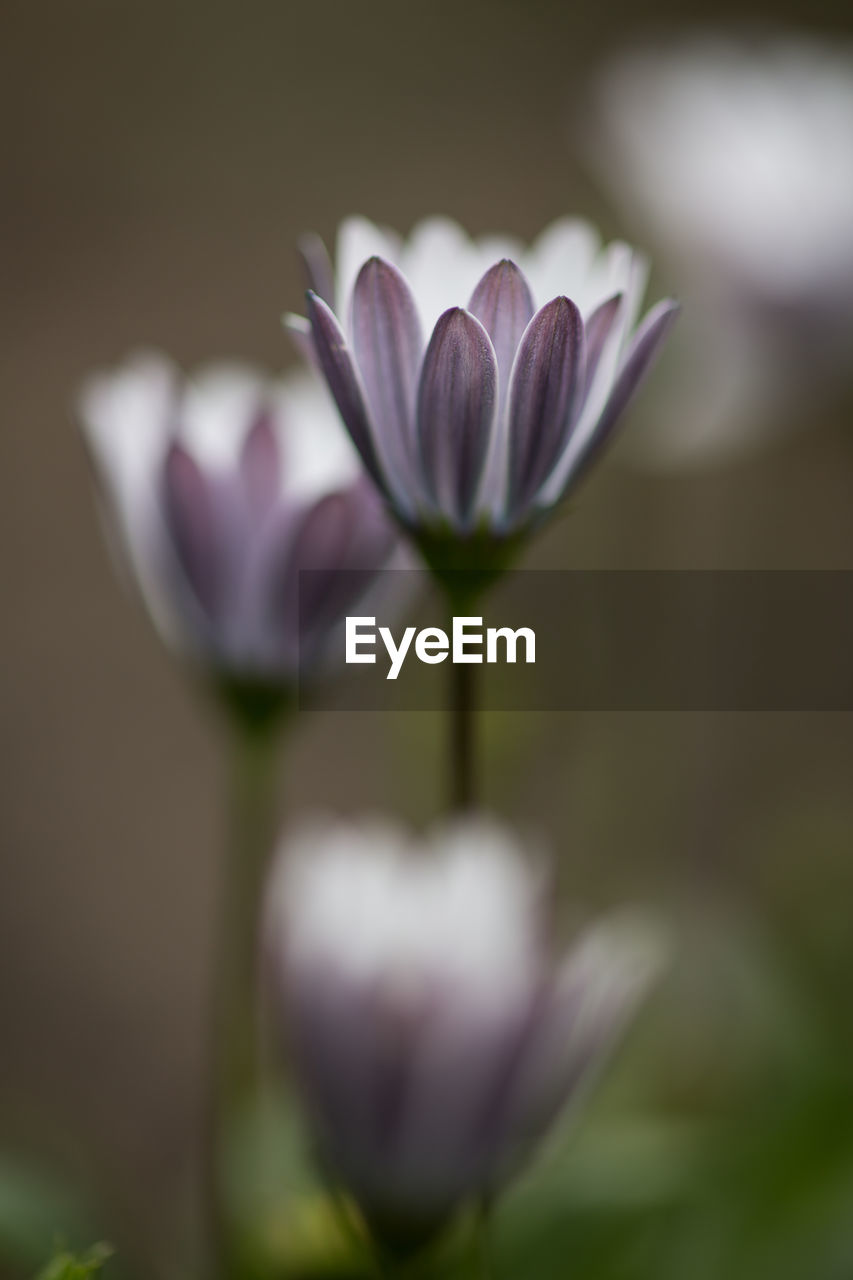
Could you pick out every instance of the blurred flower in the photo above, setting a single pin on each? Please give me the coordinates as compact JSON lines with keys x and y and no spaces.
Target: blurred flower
{"x":735,"y":160}
{"x":217,"y":490}
{"x":474,"y":406}
{"x":434,"y":1041}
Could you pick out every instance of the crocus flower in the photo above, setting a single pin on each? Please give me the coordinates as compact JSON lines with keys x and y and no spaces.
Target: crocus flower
{"x":734,"y":159}
{"x":434,"y":1039}
{"x":479,"y":379}
{"x":217,"y":490}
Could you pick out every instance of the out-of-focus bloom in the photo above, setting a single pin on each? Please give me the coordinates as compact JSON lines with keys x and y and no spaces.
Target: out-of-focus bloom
{"x":434,"y":1039}
{"x":217,"y":490}
{"x":479,"y":379}
{"x":734,"y":159}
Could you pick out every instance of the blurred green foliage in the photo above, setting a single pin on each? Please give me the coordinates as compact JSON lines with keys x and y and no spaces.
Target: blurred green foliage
{"x":719,"y":1147}
{"x":69,"y":1266}
{"x":38,"y":1210}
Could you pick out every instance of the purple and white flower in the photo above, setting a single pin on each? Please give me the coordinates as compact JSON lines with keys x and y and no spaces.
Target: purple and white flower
{"x":434,"y":1039}
{"x":216,"y":491}
{"x":733,"y":157}
{"x":479,"y":379}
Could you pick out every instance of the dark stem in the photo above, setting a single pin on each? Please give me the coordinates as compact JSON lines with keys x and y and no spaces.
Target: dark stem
{"x":482,"y":1241}
{"x":463,"y":773}
{"x":252,"y":817}
{"x":462,"y":780}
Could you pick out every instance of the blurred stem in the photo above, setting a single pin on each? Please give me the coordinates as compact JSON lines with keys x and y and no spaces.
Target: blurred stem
{"x":463,"y":773}
{"x":482,"y":1242}
{"x":462,"y":769}
{"x":254,"y":742}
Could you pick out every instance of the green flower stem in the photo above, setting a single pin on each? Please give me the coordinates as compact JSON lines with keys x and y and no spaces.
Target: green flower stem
{"x":464,"y":568}
{"x":255,"y":735}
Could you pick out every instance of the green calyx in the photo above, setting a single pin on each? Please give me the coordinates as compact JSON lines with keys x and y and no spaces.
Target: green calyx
{"x":466,"y":565}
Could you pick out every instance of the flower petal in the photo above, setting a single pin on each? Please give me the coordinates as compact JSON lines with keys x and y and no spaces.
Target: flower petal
{"x":127,"y":419}
{"x":561,"y":259}
{"x":593,"y":997}
{"x":387,"y":344}
{"x":456,"y":408}
{"x":464,"y":1067}
{"x":340,"y":372}
{"x":358,"y":240}
{"x":502,"y":301}
{"x":547,"y":380}
{"x":190,"y":509}
{"x":327,"y":563}
{"x":597,"y":328}
{"x":260,"y":461}
{"x":503,"y":304}
{"x":638,"y":359}
{"x":318,"y":267}
{"x":298,"y":329}
{"x":442,"y":265}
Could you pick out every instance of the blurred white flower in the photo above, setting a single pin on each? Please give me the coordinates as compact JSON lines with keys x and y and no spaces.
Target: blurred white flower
{"x":216,"y":490}
{"x":735,"y":160}
{"x":434,"y":1040}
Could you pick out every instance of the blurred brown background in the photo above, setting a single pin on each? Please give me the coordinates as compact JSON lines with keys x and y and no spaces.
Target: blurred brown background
{"x":159,"y":161}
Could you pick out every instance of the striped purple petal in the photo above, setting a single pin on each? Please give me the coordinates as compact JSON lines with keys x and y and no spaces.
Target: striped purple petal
{"x":456,"y":408}
{"x":337,"y":365}
{"x":547,"y":382}
{"x":503,"y":304}
{"x":190,"y":509}
{"x":388,"y":345}
{"x":597,"y":329}
{"x":636,"y":362}
{"x":341,"y":540}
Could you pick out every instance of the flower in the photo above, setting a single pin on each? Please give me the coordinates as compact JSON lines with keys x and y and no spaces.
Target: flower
{"x":217,"y":490}
{"x":734,"y":159}
{"x":433,"y":1039}
{"x":474,"y":406}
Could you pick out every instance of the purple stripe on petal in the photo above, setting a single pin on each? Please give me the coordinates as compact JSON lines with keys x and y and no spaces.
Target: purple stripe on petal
{"x":638,"y":359}
{"x":547,"y":381}
{"x":342,"y":539}
{"x":318,"y":267}
{"x":320,"y":545}
{"x":503,"y":304}
{"x":388,"y":345}
{"x":339,"y":370}
{"x":191,"y":518}
{"x":597,"y":329}
{"x":456,"y":407}
{"x":260,"y":461}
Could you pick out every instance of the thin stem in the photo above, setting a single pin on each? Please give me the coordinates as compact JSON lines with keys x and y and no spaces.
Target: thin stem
{"x":234,"y":1063}
{"x":482,"y":1243}
{"x":462,"y":748}
{"x":463,"y":773}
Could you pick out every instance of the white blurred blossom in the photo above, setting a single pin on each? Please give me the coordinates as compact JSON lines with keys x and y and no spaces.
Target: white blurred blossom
{"x":216,"y":490}
{"x":433,"y":1034}
{"x":734,"y":159}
